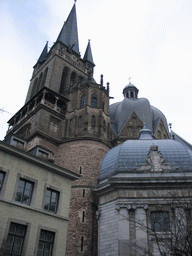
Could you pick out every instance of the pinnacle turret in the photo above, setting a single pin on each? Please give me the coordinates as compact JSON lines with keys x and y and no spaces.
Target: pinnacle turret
{"x":88,"y":54}
{"x":69,"y":34}
{"x":43,"y":54}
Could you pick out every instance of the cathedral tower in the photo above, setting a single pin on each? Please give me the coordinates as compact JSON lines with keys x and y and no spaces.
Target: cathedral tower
{"x":66,"y":120}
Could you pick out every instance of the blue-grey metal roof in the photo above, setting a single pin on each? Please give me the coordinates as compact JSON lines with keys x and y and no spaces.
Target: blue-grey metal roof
{"x":69,"y":33}
{"x":132,"y":154}
{"x":120,"y":112}
{"x":88,"y":54}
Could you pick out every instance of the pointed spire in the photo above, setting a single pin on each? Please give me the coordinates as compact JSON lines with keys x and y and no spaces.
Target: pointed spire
{"x":88,"y":54}
{"x":69,"y":34}
{"x":44,"y":53}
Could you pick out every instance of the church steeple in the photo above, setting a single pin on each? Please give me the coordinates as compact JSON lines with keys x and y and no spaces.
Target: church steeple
{"x":69,"y":33}
{"x":88,"y":54}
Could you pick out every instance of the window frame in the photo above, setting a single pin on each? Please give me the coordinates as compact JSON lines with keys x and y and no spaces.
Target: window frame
{"x":27,"y":232}
{"x":83,"y":101}
{"x":27,"y":178}
{"x":53,"y":230}
{"x":55,"y":189}
{"x":46,"y":241}
{"x":18,"y":140}
{"x":5,"y":180}
{"x":94,"y":101}
{"x":162,"y":225}
{"x":24,"y":190}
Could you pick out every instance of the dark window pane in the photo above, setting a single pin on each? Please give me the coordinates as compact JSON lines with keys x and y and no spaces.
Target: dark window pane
{"x":15,"y":240}
{"x":2,"y":175}
{"x":94,"y":102}
{"x":24,"y":192}
{"x":51,"y":200}
{"x":46,"y":241}
{"x":160,"y":221}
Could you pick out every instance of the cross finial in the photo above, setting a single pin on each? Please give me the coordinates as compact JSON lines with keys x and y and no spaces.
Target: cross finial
{"x":130,"y":80}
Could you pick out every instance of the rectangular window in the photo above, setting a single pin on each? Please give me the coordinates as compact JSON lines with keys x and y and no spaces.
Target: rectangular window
{"x":51,"y":200}
{"x":2,"y":175}
{"x":24,"y":191}
{"x":15,"y":240}
{"x":43,"y":154}
{"x":18,"y":144}
{"x":46,"y":242}
{"x":160,"y":221}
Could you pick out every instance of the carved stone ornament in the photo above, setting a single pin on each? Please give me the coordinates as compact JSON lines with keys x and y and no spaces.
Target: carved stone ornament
{"x":129,"y":206}
{"x":155,"y":159}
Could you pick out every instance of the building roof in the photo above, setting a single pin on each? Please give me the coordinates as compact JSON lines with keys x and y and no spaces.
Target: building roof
{"x":132,"y":155}
{"x":69,"y":33}
{"x":120,"y":112}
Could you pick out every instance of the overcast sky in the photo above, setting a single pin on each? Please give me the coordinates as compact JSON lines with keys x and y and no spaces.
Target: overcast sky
{"x":150,"y":41}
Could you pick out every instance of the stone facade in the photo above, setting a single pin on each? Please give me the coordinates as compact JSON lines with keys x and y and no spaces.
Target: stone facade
{"x":16,"y":166}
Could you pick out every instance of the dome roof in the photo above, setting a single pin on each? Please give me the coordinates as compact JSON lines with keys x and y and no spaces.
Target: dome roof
{"x":120,"y":112}
{"x":132,"y":154}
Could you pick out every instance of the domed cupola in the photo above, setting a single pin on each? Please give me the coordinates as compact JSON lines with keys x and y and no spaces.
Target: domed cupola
{"x":146,"y":155}
{"x":130,"y":91}
{"x":130,"y":115}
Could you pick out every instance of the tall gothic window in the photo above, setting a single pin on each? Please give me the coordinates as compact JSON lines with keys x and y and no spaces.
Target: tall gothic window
{"x":44,"y":78}
{"x":93,"y":121}
{"x":39,"y":83}
{"x":72,"y":80}
{"x":63,"y":80}
{"x":34,"y":87}
{"x":83,"y":101}
{"x":94,"y":101}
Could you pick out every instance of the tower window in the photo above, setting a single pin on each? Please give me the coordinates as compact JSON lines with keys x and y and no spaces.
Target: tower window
{"x":83,"y":216}
{"x":83,"y":192}
{"x":82,"y":240}
{"x":63,"y":80}
{"x":44,"y":78}
{"x":72,"y":80}
{"x":94,"y":101}
{"x":83,"y":101}
{"x":104,"y":126}
{"x":93,"y":121}
{"x":34,"y":87}
{"x":80,"y":169}
{"x":132,"y":94}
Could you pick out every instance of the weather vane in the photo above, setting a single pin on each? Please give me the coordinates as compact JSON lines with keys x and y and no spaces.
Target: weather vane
{"x":130,"y":80}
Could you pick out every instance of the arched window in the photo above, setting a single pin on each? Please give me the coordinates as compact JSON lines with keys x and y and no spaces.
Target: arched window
{"x":132,"y":94}
{"x":44,"y":78}
{"x":83,"y":101}
{"x":34,"y":87}
{"x":72,"y":80}
{"x":63,"y":80}
{"x":93,"y":121}
{"x":104,"y":126}
{"x":94,"y":101}
{"x":39,"y":83}
{"x":80,"y":79}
